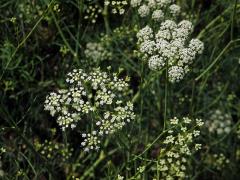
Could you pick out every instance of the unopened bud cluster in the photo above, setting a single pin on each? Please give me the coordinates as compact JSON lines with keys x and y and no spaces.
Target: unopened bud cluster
{"x":217,"y":161}
{"x":54,"y":150}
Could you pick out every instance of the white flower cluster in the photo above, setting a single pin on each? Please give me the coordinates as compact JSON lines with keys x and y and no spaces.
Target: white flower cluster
{"x":158,"y":9}
{"x":94,"y":9}
{"x":119,"y":177}
{"x":170,"y":48}
{"x":158,"y":15}
{"x":135,"y":3}
{"x":97,"y":52}
{"x":219,"y":123}
{"x":175,"y":9}
{"x":117,"y":6}
{"x":178,"y":146}
{"x":92,"y":13}
{"x":143,"y":10}
{"x":95,"y":96}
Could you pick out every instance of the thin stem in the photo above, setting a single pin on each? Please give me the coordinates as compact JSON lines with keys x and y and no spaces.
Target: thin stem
{"x":233,"y":19}
{"x":86,"y":173}
{"x":62,"y":35}
{"x":26,"y":38}
{"x":101,"y":157}
{"x":192,"y":98}
{"x":217,"y":59}
{"x":201,"y":34}
{"x":165,"y":99}
{"x":150,"y":145}
{"x":105,"y":18}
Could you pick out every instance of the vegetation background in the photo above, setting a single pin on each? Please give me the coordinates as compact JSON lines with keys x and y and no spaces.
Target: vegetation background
{"x":41,"y":41}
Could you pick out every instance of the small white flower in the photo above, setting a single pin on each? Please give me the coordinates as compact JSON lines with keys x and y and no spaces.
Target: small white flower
{"x":199,"y":122}
{"x":106,"y":3}
{"x":174,"y":121}
{"x":120,"y":177}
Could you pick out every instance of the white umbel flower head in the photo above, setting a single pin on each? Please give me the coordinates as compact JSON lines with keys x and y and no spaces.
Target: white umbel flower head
{"x":145,"y":33}
{"x":143,"y":10}
{"x":135,"y":3}
{"x":147,"y":47}
{"x":186,"y":56}
{"x":156,"y":62}
{"x":168,"y":25}
{"x":186,"y":25}
{"x":196,"y":45}
{"x":157,"y":15}
{"x":152,"y":3}
{"x":95,"y":94}
{"x":175,"y":10}
{"x":164,"y":34}
{"x":170,"y":43}
{"x":175,"y":74}
{"x":163,"y":3}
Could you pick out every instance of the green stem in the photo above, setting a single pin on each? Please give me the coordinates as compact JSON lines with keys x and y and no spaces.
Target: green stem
{"x":165,"y":99}
{"x":192,"y":98}
{"x":101,"y":157}
{"x":62,"y":35}
{"x":217,"y":59}
{"x":150,"y":145}
{"x":145,"y":84}
{"x":105,"y":18}
{"x":201,"y":34}
{"x":86,"y":173}
{"x":233,"y":19}
{"x":26,"y":38}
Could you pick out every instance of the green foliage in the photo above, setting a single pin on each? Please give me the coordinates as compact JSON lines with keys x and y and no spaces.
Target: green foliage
{"x":41,"y":41}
